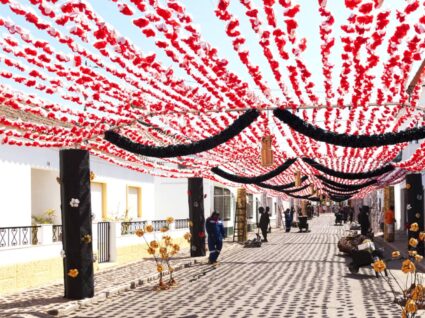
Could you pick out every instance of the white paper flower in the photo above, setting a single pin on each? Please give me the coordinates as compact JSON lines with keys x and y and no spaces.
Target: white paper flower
{"x":63,"y":255}
{"x":74,"y":203}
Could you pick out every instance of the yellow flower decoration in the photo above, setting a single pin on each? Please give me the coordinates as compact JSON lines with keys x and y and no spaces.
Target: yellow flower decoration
{"x":414,"y":227}
{"x":190,"y":223}
{"x":418,"y":292}
{"x":149,"y":228}
{"x":176,"y":247}
{"x":395,"y":254}
{"x":413,"y":242}
{"x":140,"y":232}
{"x":412,"y":253}
{"x":411,"y":306}
{"x":164,"y":229}
{"x":162,"y":250}
{"x":418,"y":258}
{"x":159,"y":268}
{"x":86,"y":239}
{"x":151,"y":250}
{"x":408,"y":267}
{"x":92,"y":175}
{"x":379,"y":266}
{"x":154,"y":244}
{"x":408,"y":186}
{"x":73,"y":273}
{"x":187,"y":236}
{"x":170,"y":220}
{"x":422,"y":236}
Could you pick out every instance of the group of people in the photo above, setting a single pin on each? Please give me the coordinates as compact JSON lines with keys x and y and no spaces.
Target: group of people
{"x":346,"y":213}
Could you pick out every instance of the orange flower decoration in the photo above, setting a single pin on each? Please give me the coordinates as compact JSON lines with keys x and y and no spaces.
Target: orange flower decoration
{"x":151,"y":250}
{"x":422,"y":236}
{"x":187,"y":236}
{"x":149,"y":228}
{"x":418,"y":258}
{"x":154,"y":244}
{"x":414,"y":227}
{"x":411,"y":306}
{"x":395,"y":254}
{"x":170,"y":220}
{"x":413,"y":242}
{"x":164,"y":229}
{"x":73,"y":273}
{"x":379,"y":266}
{"x":159,"y":268}
{"x":140,"y":232}
{"x":408,"y":267}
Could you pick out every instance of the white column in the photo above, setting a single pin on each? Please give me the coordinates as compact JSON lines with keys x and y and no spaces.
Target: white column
{"x":398,"y":207}
{"x":115,"y":234}
{"x":45,"y":234}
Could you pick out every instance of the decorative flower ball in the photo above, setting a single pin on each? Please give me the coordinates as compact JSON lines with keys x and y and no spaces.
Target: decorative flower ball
{"x":74,"y":203}
{"x":86,"y":238}
{"x":151,"y":251}
{"x":170,"y":220}
{"x":187,"y":236}
{"x":190,"y":223}
{"x":395,"y":254}
{"x":149,"y":228}
{"x":73,"y":273}
{"x":422,"y":236}
{"x":413,"y":253}
{"x":414,"y":227}
{"x":139,"y":232}
{"x":408,"y":186}
{"x":164,"y":229}
{"x":379,"y":266}
{"x":408,"y":267}
{"x":159,"y":268}
{"x":92,"y":176}
{"x":418,"y":258}
{"x":413,"y":242}
{"x":201,"y":234}
{"x":176,"y":248}
{"x":154,"y":244}
{"x":411,"y":306}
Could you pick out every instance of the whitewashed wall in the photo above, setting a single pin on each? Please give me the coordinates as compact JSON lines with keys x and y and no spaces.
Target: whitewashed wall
{"x":171,"y":198}
{"x":15,"y":193}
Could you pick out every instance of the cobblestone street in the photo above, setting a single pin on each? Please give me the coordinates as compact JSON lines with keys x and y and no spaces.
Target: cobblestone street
{"x":294,"y":275}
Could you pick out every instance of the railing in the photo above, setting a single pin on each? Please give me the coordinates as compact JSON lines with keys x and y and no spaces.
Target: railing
{"x":57,"y":233}
{"x":131,"y":227}
{"x":157,"y":225}
{"x":182,"y":224}
{"x":18,"y":236}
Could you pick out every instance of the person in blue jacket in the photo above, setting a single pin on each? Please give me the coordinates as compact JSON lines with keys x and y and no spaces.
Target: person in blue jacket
{"x":215,"y":231}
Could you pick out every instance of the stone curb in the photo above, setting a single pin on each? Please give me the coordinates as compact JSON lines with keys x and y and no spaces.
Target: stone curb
{"x":76,"y":304}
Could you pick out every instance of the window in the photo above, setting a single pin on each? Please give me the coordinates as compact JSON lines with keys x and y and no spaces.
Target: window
{"x":249,"y":206}
{"x":134,"y":203}
{"x":222,"y":201}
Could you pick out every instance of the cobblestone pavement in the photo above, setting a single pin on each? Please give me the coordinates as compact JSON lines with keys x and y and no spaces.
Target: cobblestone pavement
{"x":294,"y":275}
{"x":37,"y":302}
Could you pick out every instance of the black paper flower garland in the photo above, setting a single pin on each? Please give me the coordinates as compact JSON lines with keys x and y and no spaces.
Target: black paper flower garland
{"x":349,"y":175}
{"x":256,"y":179}
{"x":344,"y":140}
{"x":184,"y":149}
{"x":280,"y":186}
{"x":341,"y":191}
{"x":296,"y":189}
{"x":340,"y":194}
{"x":343,"y":186}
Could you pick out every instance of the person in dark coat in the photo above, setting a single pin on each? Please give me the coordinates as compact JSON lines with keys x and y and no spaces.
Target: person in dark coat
{"x":363,"y":219}
{"x":215,"y":231}
{"x":264,"y":223}
{"x":288,"y":220}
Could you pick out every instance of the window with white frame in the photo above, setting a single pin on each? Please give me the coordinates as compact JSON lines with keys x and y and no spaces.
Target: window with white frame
{"x":222,"y":202}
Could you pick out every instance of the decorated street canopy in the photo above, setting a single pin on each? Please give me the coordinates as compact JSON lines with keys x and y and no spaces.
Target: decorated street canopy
{"x":179,"y":92}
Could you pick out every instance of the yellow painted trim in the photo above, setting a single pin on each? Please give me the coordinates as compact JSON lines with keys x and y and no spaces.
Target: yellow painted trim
{"x":139,"y":199}
{"x":104,"y":198}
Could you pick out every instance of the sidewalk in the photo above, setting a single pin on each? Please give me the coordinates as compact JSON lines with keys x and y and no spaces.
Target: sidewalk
{"x":48,"y":300}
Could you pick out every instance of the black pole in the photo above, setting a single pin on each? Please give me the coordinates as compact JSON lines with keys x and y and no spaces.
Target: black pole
{"x":76,"y":223}
{"x":196,"y":215}
{"x":414,"y":207}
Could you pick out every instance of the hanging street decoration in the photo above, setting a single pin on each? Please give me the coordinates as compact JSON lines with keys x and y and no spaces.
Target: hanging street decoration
{"x":71,"y":79}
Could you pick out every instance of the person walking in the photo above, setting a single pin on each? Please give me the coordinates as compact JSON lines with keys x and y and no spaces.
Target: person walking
{"x":264,"y":223}
{"x":288,"y":220}
{"x":215,"y":231}
{"x":363,"y":219}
